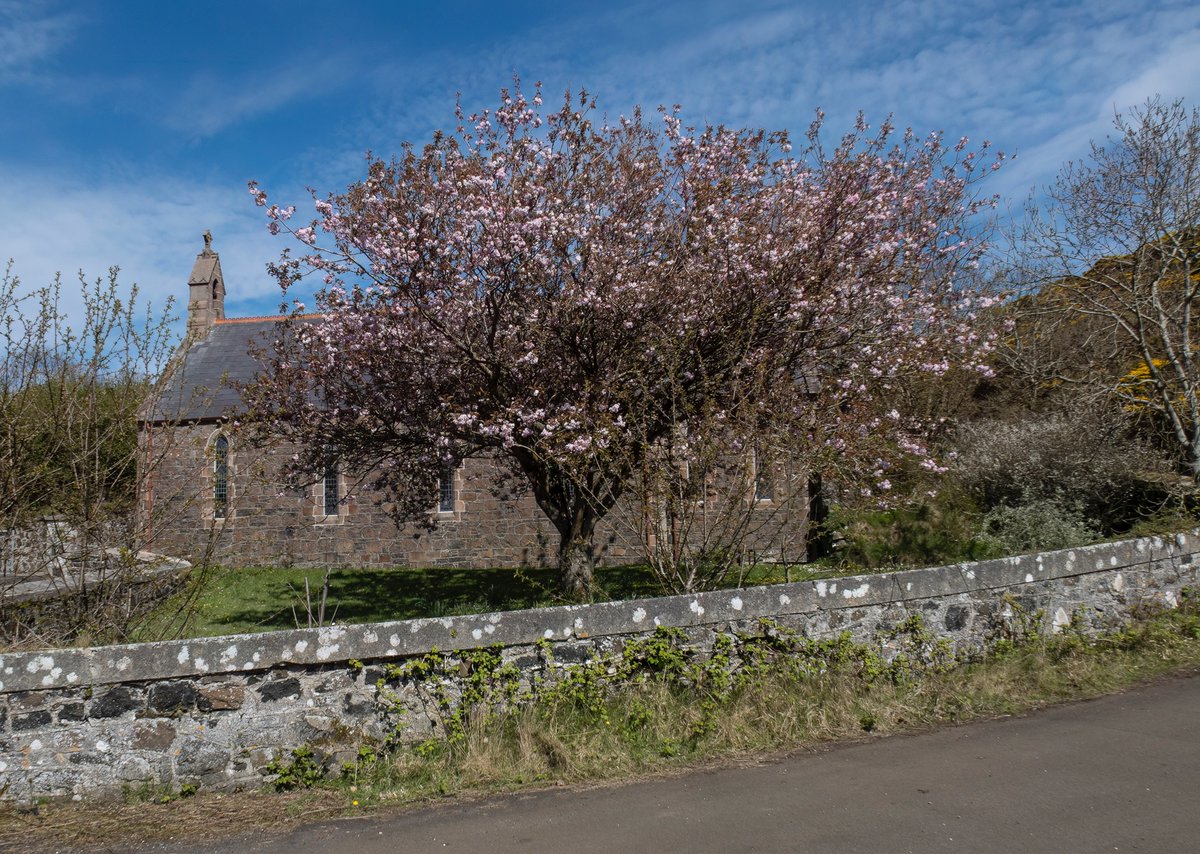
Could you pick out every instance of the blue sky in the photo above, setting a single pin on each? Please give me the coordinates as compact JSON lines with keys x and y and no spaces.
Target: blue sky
{"x":127,"y":128}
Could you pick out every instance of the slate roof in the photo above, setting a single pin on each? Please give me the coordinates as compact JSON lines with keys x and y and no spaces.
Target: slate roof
{"x":199,"y":383}
{"x":198,"y":386}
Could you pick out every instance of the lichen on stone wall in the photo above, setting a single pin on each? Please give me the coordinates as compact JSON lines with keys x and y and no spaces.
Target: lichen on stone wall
{"x":220,"y":712}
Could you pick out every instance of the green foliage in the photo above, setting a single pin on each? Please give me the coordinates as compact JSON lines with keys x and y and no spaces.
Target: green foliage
{"x":70,"y":388}
{"x":477,"y":689}
{"x":930,"y":531}
{"x":1089,"y":461}
{"x":472,"y":684}
{"x":154,"y":793}
{"x":1022,"y":628}
{"x":49,"y":440}
{"x":300,"y":772}
{"x":1169,"y":521}
{"x":1045,"y":482}
{"x":366,"y":758}
{"x":1040,"y":525}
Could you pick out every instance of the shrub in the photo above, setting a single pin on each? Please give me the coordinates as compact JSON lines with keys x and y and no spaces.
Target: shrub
{"x":1039,"y":525}
{"x":934,"y":530}
{"x":1087,"y":461}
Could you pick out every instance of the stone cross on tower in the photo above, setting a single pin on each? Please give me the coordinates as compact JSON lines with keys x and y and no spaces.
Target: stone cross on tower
{"x":206,"y":292}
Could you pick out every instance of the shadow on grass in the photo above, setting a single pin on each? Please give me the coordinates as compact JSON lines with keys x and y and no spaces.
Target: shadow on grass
{"x":268,"y":599}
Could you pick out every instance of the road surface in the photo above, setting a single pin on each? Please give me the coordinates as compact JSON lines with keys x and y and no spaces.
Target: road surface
{"x":1121,"y":773}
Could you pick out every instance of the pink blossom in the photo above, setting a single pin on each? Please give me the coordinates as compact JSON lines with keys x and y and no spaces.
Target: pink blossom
{"x":543,"y":286}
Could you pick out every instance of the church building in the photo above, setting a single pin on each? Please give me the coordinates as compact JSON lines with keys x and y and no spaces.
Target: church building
{"x":208,"y":496}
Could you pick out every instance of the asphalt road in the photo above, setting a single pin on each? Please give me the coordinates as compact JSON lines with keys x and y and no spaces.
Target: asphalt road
{"x":1117,"y":774}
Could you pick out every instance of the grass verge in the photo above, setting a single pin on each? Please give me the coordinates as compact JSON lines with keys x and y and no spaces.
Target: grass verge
{"x":653,"y":711}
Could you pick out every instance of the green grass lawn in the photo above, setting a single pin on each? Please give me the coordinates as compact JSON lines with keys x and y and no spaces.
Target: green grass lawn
{"x":257,"y":599}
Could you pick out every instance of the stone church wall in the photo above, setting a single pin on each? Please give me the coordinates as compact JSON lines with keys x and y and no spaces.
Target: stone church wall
{"x":266,"y":524}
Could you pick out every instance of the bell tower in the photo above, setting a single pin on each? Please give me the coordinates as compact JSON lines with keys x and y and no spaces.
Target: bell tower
{"x":206,"y":292}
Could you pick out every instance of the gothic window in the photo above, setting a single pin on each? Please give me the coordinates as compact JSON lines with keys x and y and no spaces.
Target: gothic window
{"x":332,"y":496}
{"x":220,"y":477}
{"x":446,"y":490}
{"x":764,"y":481}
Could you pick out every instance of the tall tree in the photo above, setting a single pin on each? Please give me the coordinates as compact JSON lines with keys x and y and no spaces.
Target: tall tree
{"x":1114,"y":256}
{"x":564,"y":293}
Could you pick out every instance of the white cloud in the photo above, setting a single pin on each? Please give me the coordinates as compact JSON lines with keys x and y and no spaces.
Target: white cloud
{"x":1171,"y":70}
{"x":150,"y":228}
{"x":212,"y":102}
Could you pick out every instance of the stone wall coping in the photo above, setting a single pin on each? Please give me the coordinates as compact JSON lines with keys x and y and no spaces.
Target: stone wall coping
{"x":337,"y":644}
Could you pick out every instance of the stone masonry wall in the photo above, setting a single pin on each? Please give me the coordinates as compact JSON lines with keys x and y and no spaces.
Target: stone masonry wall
{"x":268,"y":526}
{"x":215,"y":711}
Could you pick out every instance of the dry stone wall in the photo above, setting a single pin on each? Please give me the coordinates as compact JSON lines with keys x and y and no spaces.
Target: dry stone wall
{"x":216,"y":711}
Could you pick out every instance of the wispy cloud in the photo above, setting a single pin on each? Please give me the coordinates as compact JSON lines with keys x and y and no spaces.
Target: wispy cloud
{"x":31,"y":32}
{"x":214,"y":101}
{"x":1156,"y":58}
{"x":1013,"y":72}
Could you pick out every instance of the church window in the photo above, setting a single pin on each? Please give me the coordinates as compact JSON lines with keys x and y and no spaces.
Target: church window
{"x":446,"y":490}
{"x":332,"y":495}
{"x":764,"y":480}
{"x":220,"y":477}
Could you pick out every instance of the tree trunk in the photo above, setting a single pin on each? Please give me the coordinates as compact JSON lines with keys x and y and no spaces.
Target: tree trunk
{"x":576,"y":565}
{"x":1192,"y":457}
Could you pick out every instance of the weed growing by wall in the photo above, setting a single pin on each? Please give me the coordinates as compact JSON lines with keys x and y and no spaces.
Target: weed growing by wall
{"x":655,"y":702}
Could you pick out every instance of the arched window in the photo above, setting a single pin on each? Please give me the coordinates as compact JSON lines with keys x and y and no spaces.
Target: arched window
{"x":446,"y":490}
{"x":764,"y":477}
{"x":220,"y":477}
{"x":332,"y":496}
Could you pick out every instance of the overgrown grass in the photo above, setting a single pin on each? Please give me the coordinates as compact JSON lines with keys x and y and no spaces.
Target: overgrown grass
{"x":659,"y":719}
{"x":226,"y":600}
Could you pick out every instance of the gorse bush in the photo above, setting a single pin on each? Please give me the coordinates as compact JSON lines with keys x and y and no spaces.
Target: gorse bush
{"x":70,"y":389}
